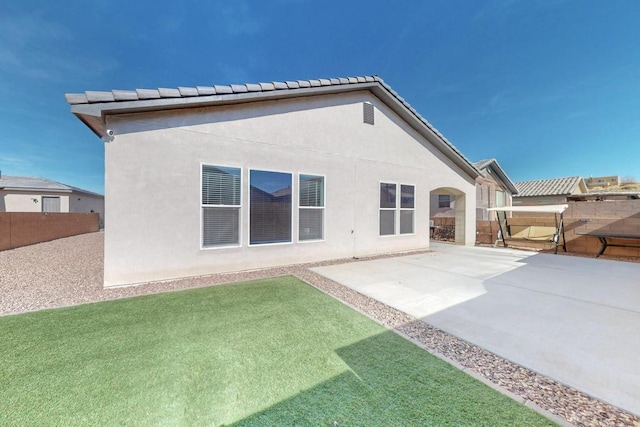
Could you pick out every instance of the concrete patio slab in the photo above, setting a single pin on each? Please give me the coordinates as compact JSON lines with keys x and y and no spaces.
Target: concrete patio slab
{"x":573,"y":319}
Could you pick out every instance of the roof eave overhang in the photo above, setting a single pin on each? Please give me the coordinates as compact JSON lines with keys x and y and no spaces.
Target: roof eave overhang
{"x":36,"y":190}
{"x":94,"y":115}
{"x":504,"y":178}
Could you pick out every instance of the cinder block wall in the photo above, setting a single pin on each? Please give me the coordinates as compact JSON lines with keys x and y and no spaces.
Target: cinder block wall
{"x":27,"y":228}
{"x":619,"y":216}
{"x":615,"y":216}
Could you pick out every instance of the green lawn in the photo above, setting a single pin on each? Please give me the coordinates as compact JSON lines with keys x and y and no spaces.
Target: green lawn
{"x":269,"y":352}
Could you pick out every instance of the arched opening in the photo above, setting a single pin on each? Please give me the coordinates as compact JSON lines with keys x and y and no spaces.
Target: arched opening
{"x":448,"y":214}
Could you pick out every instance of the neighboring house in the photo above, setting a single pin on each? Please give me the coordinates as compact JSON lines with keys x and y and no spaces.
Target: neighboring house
{"x":227,"y":178}
{"x":493,"y":189}
{"x":548,"y":191}
{"x":602,"y":181}
{"x":29,"y":194}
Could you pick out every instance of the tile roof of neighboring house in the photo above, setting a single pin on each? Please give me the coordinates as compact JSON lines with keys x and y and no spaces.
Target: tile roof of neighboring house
{"x":549,"y":187}
{"x":493,"y":164}
{"x":29,"y":183}
{"x":91,"y":107}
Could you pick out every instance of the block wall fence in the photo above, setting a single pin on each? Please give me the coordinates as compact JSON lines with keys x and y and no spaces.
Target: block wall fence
{"x":19,"y":229}
{"x":615,"y":216}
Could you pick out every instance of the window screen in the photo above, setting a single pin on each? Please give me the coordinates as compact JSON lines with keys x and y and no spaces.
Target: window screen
{"x":407,"y":208}
{"x":397,"y":208}
{"x":311,"y":207}
{"x":387,"y":209}
{"x":221,"y":203}
{"x":270,"y":207}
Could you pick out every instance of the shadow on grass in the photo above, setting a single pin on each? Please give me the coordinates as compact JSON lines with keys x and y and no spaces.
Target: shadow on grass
{"x":394,"y":383}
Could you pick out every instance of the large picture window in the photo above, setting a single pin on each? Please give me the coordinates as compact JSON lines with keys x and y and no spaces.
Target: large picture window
{"x":221,"y":204}
{"x":311,"y":207}
{"x":387,"y":209}
{"x":270,"y":207}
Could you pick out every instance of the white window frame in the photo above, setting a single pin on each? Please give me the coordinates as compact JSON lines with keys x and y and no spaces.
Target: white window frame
{"x":396,"y":220}
{"x":203,"y":205}
{"x":397,"y":210}
{"x":323,"y":208}
{"x":401,"y":209}
{"x":42,"y":203}
{"x":293,"y":220}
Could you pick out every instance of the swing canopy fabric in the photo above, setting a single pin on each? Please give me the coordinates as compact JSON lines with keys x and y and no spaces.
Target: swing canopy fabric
{"x":533,"y":232}
{"x":556,"y":209}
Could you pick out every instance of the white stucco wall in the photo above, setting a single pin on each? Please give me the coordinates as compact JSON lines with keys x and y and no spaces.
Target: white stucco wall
{"x":18,"y":201}
{"x":153,"y":183}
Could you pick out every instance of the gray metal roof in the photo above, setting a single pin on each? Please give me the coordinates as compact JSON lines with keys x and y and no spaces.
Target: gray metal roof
{"x":495,"y":166}
{"x":92,"y":107}
{"x":30,"y":183}
{"x":548,"y":187}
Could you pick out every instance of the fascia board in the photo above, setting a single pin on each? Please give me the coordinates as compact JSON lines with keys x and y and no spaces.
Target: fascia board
{"x":426,"y":131}
{"x":94,"y":115}
{"x":36,"y":190}
{"x":503,"y":177}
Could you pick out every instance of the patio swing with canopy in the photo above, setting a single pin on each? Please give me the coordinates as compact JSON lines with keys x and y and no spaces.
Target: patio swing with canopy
{"x":533,"y":232}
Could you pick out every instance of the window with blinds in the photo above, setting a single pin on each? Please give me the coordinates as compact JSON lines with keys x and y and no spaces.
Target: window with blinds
{"x":311,"y":207}
{"x":270,"y":207}
{"x":444,"y":201}
{"x":221,"y":205}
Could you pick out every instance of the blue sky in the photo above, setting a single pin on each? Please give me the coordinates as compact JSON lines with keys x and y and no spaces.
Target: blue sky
{"x":550,"y":88}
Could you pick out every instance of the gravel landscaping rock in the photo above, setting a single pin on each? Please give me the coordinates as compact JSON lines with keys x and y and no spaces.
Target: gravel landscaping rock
{"x":69,"y":271}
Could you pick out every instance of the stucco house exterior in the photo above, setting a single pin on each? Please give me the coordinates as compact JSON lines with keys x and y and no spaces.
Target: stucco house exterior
{"x":227,"y":178}
{"x":494,"y":189}
{"x":602,"y":181}
{"x":552,"y":191}
{"x":32,"y":194}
